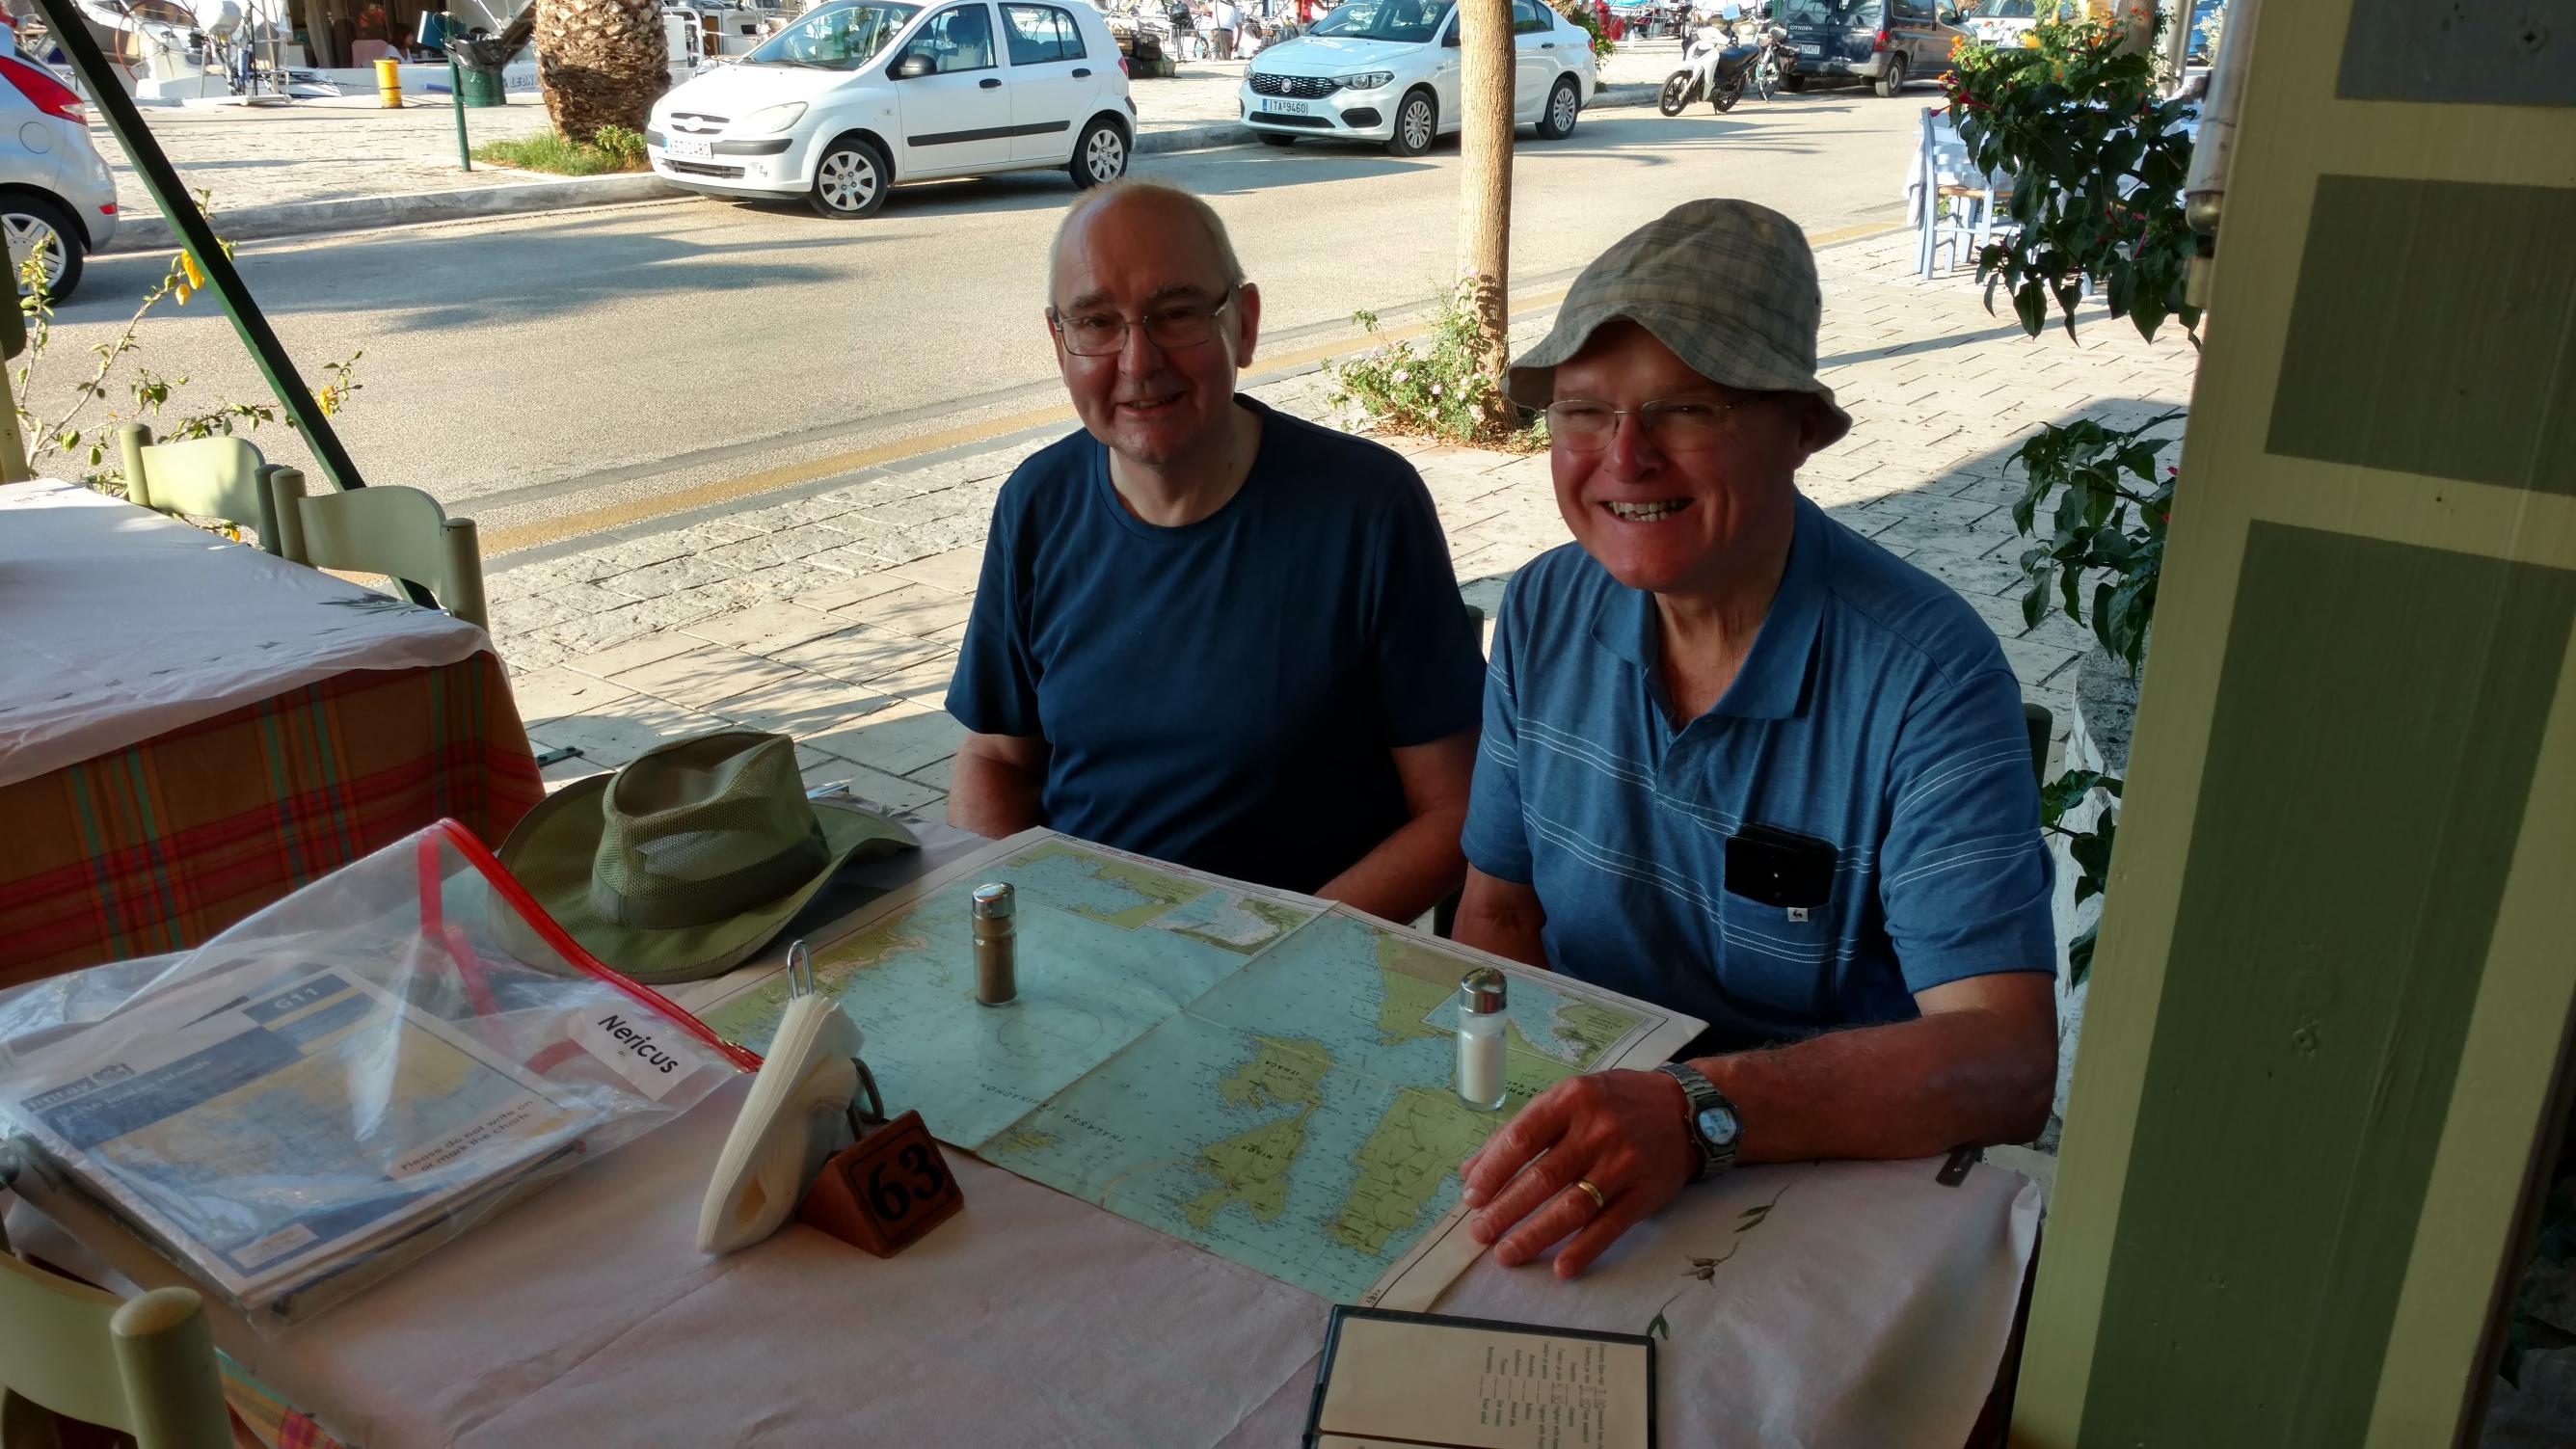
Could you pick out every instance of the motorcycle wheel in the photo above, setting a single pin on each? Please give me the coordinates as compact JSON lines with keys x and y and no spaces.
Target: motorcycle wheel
{"x":1677,"y":93}
{"x":1727,"y":96}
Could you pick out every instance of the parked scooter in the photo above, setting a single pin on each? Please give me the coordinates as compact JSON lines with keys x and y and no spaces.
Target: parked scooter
{"x":1713,"y":70}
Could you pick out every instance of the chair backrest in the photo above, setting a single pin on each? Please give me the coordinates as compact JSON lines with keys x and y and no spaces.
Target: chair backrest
{"x":399,"y":532}
{"x":201,"y":477}
{"x":2040,"y":724}
{"x":145,"y":1367}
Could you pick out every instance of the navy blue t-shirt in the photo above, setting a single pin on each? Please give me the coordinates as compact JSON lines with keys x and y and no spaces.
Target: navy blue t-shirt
{"x":1223,"y":694}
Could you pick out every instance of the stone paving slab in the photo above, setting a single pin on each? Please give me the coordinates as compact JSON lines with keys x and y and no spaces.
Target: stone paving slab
{"x":849,"y":645}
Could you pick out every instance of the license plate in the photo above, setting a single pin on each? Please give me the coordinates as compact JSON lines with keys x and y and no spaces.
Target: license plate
{"x":688,"y":148}
{"x":1817,"y":51}
{"x":1287,"y":108}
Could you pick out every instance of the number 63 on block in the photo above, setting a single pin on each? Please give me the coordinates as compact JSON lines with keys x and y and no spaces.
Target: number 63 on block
{"x":886,"y":1192}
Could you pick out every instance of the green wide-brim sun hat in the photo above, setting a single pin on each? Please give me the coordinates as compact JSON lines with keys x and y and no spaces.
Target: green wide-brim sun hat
{"x":550,"y":853}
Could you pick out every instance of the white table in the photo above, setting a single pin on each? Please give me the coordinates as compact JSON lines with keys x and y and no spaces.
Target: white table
{"x":118,"y":624}
{"x":1870,"y":1307}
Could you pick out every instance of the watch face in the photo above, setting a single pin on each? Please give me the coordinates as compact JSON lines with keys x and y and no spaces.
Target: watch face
{"x":1717,"y":1127}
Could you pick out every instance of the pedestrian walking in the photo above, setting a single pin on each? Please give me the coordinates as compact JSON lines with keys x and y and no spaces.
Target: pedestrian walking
{"x":1228,"y":20}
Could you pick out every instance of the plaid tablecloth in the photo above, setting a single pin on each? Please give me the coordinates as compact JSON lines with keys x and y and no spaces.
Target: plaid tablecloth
{"x":157,"y":846}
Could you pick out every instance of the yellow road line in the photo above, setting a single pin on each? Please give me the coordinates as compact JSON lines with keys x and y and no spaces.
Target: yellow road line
{"x":500,"y":541}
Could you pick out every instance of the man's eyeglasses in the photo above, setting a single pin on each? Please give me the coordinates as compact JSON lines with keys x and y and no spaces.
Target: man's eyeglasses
{"x":1170,"y":327}
{"x":1675,"y":427}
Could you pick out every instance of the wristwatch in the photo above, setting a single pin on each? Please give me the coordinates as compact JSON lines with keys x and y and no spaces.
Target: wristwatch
{"x":1710,"y":1117}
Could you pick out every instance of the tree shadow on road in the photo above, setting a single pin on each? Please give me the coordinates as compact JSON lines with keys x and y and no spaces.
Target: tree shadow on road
{"x":437,"y":278}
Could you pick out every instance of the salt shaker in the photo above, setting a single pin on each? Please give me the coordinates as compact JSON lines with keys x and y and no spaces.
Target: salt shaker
{"x":996,"y":944}
{"x":1480,"y":1039}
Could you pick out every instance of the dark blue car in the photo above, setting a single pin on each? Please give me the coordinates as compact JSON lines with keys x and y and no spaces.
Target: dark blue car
{"x":1885,"y":43}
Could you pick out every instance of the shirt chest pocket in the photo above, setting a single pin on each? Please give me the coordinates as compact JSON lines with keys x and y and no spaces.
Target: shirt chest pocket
{"x":1778,"y":913}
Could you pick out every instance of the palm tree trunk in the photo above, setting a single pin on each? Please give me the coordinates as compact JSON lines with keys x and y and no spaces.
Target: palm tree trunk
{"x":1486,"y":64}
{"x":600,"y":63}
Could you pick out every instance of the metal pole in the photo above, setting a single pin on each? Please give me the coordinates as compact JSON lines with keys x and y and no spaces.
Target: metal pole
{"x":456,"y":97}
{"x":71,"y":31}
{"x":2174,"y":43}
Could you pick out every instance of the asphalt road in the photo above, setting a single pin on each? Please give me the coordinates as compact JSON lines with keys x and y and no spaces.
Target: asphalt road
{"x":544,"y":372}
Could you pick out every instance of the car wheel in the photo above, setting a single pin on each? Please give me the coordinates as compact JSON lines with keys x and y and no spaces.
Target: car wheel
{"x":1417,"y":121}
{"x":1793,"y":84}
{"x":1273,"y":138}
{"x":1101,"y":157}
{"x":1563,"y":105}
{"x":1894,"y":81}
{"x":1676,"y":93}
{"x":36,"y":226}
{"x":850,"y":181}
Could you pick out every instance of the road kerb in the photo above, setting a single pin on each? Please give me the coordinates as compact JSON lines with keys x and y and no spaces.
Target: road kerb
{"x":140,"y":233}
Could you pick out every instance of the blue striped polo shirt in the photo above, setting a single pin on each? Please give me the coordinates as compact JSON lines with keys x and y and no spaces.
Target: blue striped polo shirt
{"x":1874,"y":726}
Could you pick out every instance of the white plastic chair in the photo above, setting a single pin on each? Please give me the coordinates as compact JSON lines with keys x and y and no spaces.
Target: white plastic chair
{"x":1957,"y":201}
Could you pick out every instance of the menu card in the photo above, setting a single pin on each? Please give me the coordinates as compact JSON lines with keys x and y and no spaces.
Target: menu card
{"x":1419,"y":1381}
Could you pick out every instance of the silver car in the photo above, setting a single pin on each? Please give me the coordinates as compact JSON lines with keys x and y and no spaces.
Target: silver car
{"x":57,"y":199}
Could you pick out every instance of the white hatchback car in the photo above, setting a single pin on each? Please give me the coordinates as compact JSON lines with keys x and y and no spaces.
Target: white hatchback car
{"x":57,"y":199}
{"x":856,"y":95}
{"x":1387,"y":70}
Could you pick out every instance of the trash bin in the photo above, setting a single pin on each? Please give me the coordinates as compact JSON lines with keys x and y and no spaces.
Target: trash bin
{"x":479,"y":87}
{"x":479,"y":62}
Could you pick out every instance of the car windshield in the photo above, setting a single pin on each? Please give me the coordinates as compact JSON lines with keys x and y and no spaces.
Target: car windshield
{"x":836,"y":37}
{"x":1821,"y":12}
{"x":1410,"y":21}
{"x":2006,"y":10}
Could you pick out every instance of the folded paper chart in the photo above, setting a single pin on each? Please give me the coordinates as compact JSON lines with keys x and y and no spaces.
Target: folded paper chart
{"x":1262,"y":1074}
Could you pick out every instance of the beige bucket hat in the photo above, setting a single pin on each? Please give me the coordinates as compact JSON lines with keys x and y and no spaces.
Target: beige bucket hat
{"x":685,"y":863}
{"x":1729,"y":286}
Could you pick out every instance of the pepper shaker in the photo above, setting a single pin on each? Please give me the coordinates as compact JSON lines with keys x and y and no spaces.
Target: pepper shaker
{"x":996,"y":944}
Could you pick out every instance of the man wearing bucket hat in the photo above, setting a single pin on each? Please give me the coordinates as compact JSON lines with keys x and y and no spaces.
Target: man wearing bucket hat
{"x":1742,"y":761}
{"x":688,"y":861}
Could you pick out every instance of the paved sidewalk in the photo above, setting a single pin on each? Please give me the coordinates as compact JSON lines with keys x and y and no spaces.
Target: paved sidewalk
{"x":835,"y":615}
{"x":323,"y":161}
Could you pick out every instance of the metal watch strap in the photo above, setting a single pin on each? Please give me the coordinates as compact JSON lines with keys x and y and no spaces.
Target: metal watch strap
{"x":1699,"y":1095}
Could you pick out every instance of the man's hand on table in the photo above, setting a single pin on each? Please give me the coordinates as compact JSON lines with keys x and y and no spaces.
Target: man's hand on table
{"x":1623,"y":1132}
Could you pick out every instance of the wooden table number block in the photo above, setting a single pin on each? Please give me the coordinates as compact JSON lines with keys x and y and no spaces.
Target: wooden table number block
{"x":885,"y":1192}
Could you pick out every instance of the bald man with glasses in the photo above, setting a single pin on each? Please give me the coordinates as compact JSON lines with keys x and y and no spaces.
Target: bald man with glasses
{"x":1205,"y":631}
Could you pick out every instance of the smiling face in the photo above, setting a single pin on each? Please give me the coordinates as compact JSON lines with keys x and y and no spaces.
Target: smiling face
{"x":1677,"y":521}
{"x":1133,"y":257}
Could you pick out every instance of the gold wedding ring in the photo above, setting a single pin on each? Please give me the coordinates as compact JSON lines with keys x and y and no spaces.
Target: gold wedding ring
{"x":1598,"y":1201}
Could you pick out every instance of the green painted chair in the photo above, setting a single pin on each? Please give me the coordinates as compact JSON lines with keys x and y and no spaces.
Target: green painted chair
{"x":2039,"y":724}
{"x":143,"y":1366}
{"x":201,"y":478}
{"x":1444,"y":916}
{"x":399,"y":532}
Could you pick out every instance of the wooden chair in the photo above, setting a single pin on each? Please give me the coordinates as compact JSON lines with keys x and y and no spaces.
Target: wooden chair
{"x":401,"y":533}
{"x":143,"y":1366}
{"x":199,"y":477}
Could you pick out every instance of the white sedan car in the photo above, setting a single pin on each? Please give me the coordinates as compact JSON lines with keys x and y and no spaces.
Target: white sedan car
{"x":1387,"y":70}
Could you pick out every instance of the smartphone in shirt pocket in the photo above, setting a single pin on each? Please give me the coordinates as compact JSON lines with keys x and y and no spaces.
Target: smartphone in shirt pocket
{"x":1774,"y":867}
{"x":1780,"y":934}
